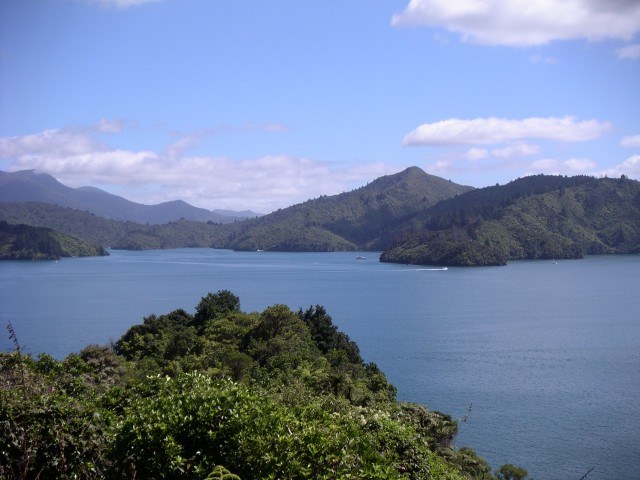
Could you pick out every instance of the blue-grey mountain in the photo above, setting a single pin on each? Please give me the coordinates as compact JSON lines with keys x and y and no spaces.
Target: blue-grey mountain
{"x":30,"y":186}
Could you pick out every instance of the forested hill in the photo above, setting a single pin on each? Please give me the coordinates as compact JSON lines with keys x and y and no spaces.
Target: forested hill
{"x":427,"y":220}
{"x":361,"y":219}
{"x":24,"y":242}
{"x":538,"y":217}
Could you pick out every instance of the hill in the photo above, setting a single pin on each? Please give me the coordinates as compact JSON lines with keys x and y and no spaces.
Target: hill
{"x":538,"y":217}
{"x":363,"y":219}
{"x":416,"y":217}
{"x":112,"y":233}
{"x":29,"y":186}
{"x":23,"y":242}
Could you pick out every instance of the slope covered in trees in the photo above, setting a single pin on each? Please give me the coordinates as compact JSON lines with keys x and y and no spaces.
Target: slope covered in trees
{"x":539,"y":217}
{"x":112,"y":233}
{"x":360,"y":219}
{"x":24,"y":242}
{"x":275,"y":394}
{"x":418,"y":218}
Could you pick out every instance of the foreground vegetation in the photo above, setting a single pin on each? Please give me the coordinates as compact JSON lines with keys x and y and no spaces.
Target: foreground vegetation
{"x":222,"y":394}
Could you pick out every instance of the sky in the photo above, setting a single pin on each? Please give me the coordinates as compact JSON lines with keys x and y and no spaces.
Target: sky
{"x":239,"y":104}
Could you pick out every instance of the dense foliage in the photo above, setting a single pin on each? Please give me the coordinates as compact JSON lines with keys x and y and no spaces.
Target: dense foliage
{"x":361,"y":219}
{"x":539,"y":217}
{"x":221,"y":394}
{"x":24,"y":242}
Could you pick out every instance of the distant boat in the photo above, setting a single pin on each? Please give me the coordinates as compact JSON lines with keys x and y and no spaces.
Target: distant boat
{"x":360,"y":257}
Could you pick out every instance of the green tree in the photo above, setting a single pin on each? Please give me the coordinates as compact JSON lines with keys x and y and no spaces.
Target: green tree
{"x":215,"y":305}
{"x":511,"y":472}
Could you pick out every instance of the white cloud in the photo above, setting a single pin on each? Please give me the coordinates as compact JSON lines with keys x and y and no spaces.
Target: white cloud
{"x":475,"y":154}
{"x":632,"y":142}
{"x":59,"y":143}
{"x":630,"y":167}
{"x":515,"y":150}
{"x":630,"y":52}
{"x":526,"y":22}
{"x":261,"y":184}
{"x":493,"y":130}
{"x":544,"y":164}
{"x":579,"y":165}
{"x":552,"y":166}
{"x":119,"y":4}
{"x":509,"y":151}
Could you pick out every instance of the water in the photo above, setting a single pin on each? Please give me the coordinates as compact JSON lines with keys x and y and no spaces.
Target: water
{"x":542,"y":359}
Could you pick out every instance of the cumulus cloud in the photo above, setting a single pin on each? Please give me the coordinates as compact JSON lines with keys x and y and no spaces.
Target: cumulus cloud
{"x":493,"y":130}
{"x":262,"y":184}
{"x":475,"y":154}
{"x":552,"y":166}
{"x":631,"y":142}
{"x":526,"y":22}
{"x":515,"y":150}
{"x":630,"y":52}
{"x":509,"y":151}
{"x":56,"y":143}
{"x":630,"y":167}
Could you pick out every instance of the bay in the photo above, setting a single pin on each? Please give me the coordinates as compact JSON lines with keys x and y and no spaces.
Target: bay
{"x":539,"y":361}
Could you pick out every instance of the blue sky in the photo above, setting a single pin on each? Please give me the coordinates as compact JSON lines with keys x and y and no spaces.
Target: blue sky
{"x":262,"y":104}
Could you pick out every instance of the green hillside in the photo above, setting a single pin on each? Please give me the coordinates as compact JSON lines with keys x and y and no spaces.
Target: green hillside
{"x":24,"y":242}
{"x":219,"y":394}
{"x":361,"y":219}
{"x":539,"y":217}
{"x":419,"y":218}
{"x":112,"y":233}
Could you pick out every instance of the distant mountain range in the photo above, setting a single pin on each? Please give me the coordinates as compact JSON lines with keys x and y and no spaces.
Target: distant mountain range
{"x":412,"y":216}
{"x":30,"y":186}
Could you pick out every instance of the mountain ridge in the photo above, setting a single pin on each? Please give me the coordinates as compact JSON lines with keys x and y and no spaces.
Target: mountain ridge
{"x":358,"y":219}
{"x":31,"y":186}
{"x":411,"y":216}
{"x":536,"y":217}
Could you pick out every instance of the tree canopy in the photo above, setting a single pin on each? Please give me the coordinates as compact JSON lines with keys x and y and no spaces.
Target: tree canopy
{"x":261,"y":395}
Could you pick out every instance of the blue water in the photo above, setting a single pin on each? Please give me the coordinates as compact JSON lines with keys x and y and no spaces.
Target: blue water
{"x":542,"y":359}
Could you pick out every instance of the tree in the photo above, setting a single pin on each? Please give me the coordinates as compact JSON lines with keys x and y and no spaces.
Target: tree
{"x":511,"y":472}
{"x":215,"y":305}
